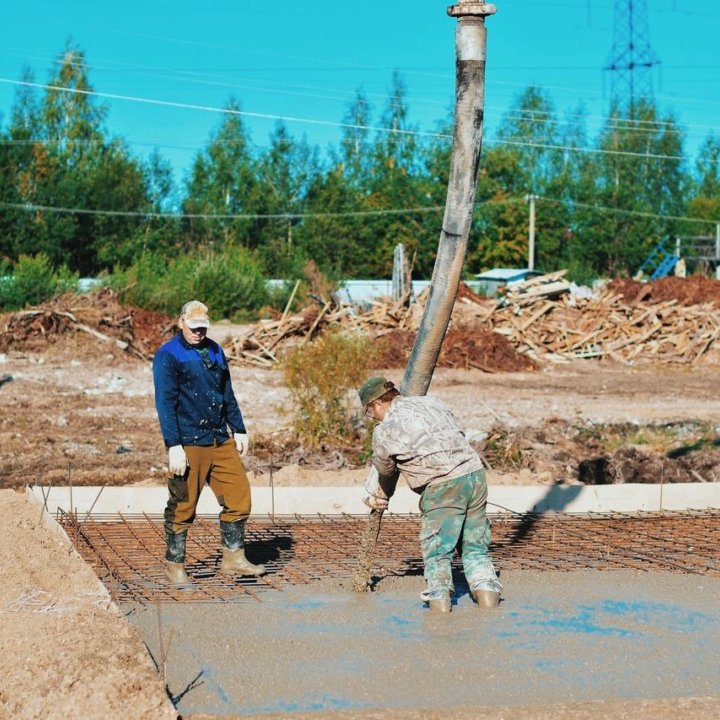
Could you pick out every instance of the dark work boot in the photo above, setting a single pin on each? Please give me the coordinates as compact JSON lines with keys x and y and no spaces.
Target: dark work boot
{"x":175,"y":556}
{"x":234,"y":562}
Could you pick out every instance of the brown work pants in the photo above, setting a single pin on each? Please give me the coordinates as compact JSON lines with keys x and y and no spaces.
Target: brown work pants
{"x":220,"y":467}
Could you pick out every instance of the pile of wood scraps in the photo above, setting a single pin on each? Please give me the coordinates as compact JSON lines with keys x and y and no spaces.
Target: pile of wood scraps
{"x":547,"y":325}
{"x":266,"y":343}
{"x":543,"y":287}
{"x":99,"y":315}
{"x":543,"y":319}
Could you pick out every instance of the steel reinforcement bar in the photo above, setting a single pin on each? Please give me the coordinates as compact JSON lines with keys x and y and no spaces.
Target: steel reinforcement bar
{"x":127,"y":551}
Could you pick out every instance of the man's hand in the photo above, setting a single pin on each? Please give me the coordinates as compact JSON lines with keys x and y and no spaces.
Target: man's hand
{"x":177,"y":460}
{"x":242,"y":443}
{"x":374,"y":502}
{"x":374,"y":496}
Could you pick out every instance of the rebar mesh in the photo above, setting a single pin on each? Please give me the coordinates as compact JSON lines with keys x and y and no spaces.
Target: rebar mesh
{"x":127,"y":551}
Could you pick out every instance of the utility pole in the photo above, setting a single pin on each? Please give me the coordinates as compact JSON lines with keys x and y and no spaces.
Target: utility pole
{"x":399,"y":273}
{"x":531,"y":232}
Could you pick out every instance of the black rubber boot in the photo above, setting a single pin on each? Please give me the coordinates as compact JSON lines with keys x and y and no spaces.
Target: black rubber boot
{"x":175,"y":546}
{"x":175,"y":572}
{"x":234,"y":562}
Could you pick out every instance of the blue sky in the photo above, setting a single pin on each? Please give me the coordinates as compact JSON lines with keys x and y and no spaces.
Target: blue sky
{"x":305,"y":61}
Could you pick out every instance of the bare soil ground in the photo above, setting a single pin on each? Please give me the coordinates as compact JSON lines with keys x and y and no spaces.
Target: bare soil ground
{"x":81,"y":411}
{"x":83,"y":414}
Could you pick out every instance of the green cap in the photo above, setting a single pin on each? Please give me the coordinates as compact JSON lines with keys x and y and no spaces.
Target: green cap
{"x":374,"y":388}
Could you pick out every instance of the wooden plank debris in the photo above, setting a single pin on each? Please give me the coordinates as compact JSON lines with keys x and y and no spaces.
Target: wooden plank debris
{"x":540,"y":317}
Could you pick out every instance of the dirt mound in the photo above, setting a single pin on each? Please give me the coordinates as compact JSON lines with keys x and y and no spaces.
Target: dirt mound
{"x":693,"y":290}
{"x":466,"y":293}
{"x":394,"y":349}
{"x":633,"y":465}
{"x":472,"y":346}
{"x":464,"y":347}
{"x":592,"y":454}
{"x":100,"y":315}
{"x":67,"y":652}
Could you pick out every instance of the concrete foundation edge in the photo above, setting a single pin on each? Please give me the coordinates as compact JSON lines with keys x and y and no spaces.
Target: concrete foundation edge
{"x":98,"y":501}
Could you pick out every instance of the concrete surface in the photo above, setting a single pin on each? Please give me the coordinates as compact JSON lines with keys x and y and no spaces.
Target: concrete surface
{"x":557,"y":638}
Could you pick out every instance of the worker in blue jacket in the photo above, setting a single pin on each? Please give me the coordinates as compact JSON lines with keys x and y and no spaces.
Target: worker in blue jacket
{"x":205,"y":435}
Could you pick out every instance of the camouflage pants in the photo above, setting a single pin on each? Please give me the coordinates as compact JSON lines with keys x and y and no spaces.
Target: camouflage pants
{"x":453,"y":512}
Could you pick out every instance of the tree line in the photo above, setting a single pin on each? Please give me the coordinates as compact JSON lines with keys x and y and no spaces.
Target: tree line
{"x":76,"y":196}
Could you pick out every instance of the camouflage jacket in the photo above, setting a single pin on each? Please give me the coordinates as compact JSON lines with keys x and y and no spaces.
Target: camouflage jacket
{"x":420,"y":437}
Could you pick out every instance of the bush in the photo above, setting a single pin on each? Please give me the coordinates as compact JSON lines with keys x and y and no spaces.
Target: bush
{"x":230,"y":283}
{"x":320,"y":376}
{"x":32,"y":281}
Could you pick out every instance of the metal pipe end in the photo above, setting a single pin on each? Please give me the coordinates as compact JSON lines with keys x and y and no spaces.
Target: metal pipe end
{"x":465,"y":8}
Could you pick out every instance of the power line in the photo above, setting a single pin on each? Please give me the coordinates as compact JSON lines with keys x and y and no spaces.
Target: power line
{"x":620,"y":211}
{"x":108,"y":65}
{"x":327,"y":123}
{"x":31,"y":207}
{"x":283,"y":90}
{"x":612,"y":123}
{"x":225,"y":111}
{"x":611,"y":119}
{"x":595,"y":151}
{"x":518,"y":142}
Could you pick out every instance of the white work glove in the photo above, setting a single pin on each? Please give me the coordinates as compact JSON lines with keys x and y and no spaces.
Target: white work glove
{"x":177,"y":460}
{"x":373,"y":495}
{"x":242,"y":443}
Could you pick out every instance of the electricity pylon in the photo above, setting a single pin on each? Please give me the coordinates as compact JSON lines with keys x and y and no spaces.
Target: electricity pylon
{"x":631,"y":58}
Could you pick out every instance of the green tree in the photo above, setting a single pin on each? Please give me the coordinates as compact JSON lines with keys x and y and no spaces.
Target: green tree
{"x":327,"y":236}
{"x":499,"y":236}
{"x":229,"y":280}
{"x":32,"y":280}
{"x":705,"y":202}
{"x":161,"y":234}
{"x":22,"y":157}
{"x":394,"y":182}
{"x":285,"y":173}
{"x":224,"y":181}
{"x":331,"y":235}
{"x":355,"y":148}
{"x":524,"y":159}
{"x":569,"y":169}
{"x":637,"y":178}
{"x":63,"y":160}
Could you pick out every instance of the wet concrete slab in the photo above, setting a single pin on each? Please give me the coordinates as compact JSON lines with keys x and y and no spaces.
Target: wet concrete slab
{"x":556,"y":638}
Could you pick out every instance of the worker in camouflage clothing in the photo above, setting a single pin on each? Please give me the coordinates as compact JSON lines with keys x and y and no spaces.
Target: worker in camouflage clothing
{"x":419,"y":437}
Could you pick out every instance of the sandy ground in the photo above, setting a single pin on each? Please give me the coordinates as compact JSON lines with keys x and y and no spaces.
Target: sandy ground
{"x":65,"y":650}
{"x":86,"y":416}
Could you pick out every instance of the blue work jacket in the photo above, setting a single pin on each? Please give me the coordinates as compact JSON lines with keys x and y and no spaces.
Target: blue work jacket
{"x":194,"y":400}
